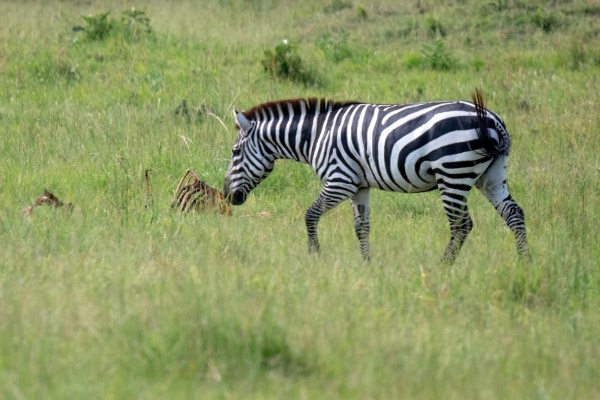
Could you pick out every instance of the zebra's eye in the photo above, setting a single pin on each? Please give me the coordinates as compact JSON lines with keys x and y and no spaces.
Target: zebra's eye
{"x":236,"y":152}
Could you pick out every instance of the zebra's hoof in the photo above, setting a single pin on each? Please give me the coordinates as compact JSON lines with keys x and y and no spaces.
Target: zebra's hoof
{"x":313,"y":248}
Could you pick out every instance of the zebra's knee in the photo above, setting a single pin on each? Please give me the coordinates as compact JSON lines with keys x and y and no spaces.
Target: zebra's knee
{"x":461,"y":226}
{"x":512,"y":213}
{"x":465,"y":228}
{"x":518,"y":212}
{"x":310,"y":217}
{"x":362,"y":229}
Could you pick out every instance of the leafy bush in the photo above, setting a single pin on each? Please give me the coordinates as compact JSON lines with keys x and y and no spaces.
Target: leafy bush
{"x":283,"y":62}
{"x":133,"y":24}
{"x":547,"y":21}
{"x":361,"y":12}
{"x":136,"y":22}
{"x":97,"y":26}
{"x":477,"y":64}
{"x":434,"y":26}
{"x":334,"y":45}
{"x":437,"y":57}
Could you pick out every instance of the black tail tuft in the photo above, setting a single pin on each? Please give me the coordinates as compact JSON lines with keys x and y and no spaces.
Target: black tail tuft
{"x":490,"y":146}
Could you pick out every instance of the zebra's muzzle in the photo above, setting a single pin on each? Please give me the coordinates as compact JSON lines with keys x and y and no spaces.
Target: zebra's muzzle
{"x":237,"y":198}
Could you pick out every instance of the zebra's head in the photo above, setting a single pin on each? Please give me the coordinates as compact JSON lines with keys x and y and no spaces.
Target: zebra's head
{"x":251,"y":162}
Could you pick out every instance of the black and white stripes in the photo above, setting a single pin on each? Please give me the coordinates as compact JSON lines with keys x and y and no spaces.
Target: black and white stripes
{"x":353,"y":147}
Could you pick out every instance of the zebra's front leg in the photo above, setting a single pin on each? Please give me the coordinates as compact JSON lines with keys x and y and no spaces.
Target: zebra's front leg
{"x":360,"y":206}
{"x":330,"y":197}
{"x":460,"y":223}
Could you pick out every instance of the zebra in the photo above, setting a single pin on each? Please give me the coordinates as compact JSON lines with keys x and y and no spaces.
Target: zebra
{"x":354,"y":147}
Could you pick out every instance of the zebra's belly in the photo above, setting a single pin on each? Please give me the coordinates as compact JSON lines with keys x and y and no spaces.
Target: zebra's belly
{"x":406,"y":187}
{"x":408,"y":177}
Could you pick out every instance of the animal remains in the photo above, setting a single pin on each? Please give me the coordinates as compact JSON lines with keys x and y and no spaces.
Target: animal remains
{"x":47,"y":198}
{"x":194,"y":195}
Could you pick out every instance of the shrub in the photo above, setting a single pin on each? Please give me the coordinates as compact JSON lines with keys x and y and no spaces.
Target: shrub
{"x":478,"y":64}
{"x":97,"y":26}
{"x":434,"y":26}
{"x":361,"y":12}
{"x":283,"y":62}
{"x":547,"y":21}
{"x":136,"y":22}
{"x":334,"y":45}
{"x":437,"y":57}
{"x":133,"y":24}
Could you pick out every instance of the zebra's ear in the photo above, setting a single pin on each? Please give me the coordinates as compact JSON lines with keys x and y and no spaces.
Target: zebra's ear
{"x":241,"y":121}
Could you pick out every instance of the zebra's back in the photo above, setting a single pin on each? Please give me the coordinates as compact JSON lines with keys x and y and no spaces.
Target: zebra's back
{"x":406,"y":147}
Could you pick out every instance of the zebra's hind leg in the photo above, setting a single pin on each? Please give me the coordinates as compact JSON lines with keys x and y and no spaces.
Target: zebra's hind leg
{"x":360,"y":206}
{"x":330,"y":197}
{"x":460,"y":223}
{"x":493,"y":185}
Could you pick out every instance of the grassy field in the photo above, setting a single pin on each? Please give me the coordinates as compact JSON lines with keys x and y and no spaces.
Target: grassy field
{"x":116,"y":300}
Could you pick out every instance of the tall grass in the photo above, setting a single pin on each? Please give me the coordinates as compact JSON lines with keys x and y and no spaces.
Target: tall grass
{"x":115,"y":300}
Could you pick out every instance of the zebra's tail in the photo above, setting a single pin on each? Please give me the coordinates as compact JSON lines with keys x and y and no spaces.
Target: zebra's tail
{"x":491,"y":146}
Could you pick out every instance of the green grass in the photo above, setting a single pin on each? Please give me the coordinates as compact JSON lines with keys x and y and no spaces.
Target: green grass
{"x":115,"y":300}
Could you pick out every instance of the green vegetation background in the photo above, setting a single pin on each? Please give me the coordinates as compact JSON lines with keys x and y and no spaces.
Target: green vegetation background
{"x":115,"y":300}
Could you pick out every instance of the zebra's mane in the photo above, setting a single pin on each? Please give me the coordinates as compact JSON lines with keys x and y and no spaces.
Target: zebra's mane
{"x":311,"y":106}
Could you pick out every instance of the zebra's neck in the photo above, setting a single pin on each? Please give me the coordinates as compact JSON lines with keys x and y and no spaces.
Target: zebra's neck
{"x":291,"y":128}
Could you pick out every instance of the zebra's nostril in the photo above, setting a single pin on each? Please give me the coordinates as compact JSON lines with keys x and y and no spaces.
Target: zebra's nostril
{"x":238,"y":197}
